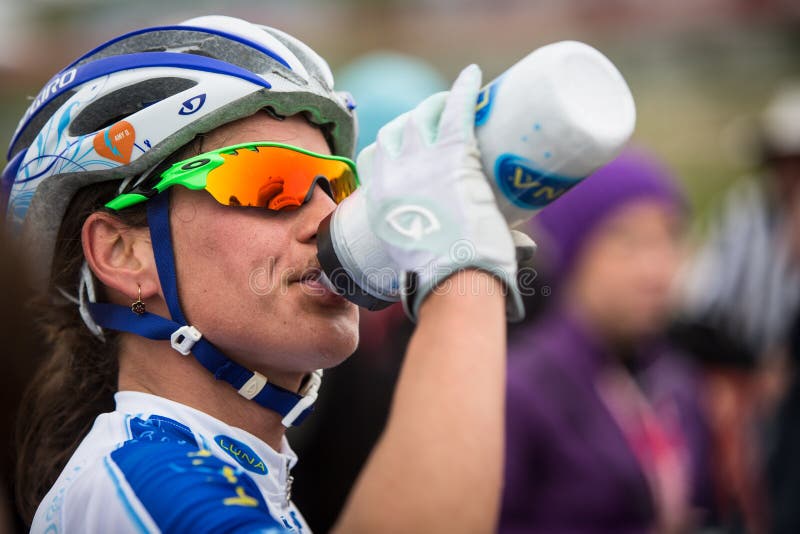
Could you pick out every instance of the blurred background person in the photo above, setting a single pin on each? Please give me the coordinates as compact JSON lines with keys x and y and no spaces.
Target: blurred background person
{"x":604,"y":429}
{"x":353,"y":406}
{"x":740,"y":299}
{"x":783,"y":155}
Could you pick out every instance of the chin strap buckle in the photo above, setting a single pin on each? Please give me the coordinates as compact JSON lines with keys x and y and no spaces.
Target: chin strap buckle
{"x":253,"y":387}
{"x":184,"y":338}
{"x":309,"y":392}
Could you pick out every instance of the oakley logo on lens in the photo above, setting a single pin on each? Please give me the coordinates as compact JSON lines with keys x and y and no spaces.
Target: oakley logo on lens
{"x":414,"y":222}
{"x":193,"y":105}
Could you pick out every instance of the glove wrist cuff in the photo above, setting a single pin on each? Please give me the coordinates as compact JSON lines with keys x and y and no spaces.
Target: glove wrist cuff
{"x":414,"y":289}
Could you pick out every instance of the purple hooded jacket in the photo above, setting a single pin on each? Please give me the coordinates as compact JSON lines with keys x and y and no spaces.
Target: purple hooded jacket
{"x":569,"y":468}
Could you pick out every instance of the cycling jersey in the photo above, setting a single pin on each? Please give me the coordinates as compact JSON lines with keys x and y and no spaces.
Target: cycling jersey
{"x":156,"y":465}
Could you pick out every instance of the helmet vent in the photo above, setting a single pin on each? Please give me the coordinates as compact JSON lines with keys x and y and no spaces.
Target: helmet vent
{"x":123,"y":102}
{"x":36,"y":124}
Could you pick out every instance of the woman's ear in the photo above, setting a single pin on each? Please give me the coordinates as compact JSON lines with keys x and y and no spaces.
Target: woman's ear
{"x":120,"y":256}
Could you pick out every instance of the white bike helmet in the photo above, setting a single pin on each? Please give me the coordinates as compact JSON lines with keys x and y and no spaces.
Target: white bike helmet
{"x":125,"y":106}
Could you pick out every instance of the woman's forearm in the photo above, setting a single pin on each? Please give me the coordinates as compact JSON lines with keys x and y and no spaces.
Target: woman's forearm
{"x":438,"y":464}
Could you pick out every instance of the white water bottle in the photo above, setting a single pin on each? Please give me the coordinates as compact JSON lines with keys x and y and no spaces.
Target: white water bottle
{"x":549,"y":121}
{"x":542,"y":126}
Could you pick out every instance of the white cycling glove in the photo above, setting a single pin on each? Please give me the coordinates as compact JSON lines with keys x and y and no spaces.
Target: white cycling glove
{"x":429,"y":202}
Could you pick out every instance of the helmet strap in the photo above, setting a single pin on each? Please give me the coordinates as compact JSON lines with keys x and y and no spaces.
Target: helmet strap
{"x":186,"y":339}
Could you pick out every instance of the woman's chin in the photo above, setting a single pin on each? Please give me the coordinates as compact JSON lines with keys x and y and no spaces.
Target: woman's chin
{"x":338,"y":350}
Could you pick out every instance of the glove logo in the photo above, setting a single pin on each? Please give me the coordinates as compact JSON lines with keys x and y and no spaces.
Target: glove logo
{"x":192,"y":105}
{"x":413,"y":222}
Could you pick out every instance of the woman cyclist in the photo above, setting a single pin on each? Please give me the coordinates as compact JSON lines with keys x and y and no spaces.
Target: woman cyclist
{"x":165,"y":184}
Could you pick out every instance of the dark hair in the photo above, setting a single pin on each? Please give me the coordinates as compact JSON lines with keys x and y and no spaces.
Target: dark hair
{"x":21,"y":355}
{"x":78,"y":378}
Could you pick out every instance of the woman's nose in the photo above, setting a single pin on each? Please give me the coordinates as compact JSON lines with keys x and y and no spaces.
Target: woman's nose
{"x":319,"y":206}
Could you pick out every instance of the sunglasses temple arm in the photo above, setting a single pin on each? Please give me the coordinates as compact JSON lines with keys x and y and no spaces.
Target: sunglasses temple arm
{"x":126,"y":200}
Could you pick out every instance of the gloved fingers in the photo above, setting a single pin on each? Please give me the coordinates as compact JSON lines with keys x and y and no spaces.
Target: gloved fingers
{"x":364,"y":164}
{"x":390,"y":136}
{"x":458,"y":117}
{"x":425,"y":117}
{"x":525,"y":246}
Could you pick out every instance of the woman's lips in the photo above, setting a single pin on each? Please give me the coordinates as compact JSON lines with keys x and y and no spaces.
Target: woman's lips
{"x":315,"y":284}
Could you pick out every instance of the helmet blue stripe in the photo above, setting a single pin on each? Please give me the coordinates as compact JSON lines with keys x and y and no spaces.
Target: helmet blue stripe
{"x":233,"y":37}
{"x":75,"y":76}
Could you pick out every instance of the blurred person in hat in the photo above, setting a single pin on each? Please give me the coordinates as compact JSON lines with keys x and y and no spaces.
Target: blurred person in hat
{"x":604,"y":431}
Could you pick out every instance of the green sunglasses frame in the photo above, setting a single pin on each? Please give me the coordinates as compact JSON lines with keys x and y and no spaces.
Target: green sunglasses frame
{"x":195,"y":179}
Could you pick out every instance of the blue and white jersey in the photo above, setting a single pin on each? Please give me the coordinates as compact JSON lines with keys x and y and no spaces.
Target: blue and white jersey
{"x":155,"y":465}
